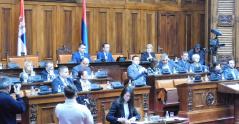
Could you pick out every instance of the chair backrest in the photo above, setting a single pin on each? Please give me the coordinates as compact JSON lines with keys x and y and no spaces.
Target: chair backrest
{"x":93,"y":57}
{"x":34,"y":59}
{"x":164,"y":84}
{"x":116,"y":55}
{"x":158,"y":55}
{"x":20,"y":60}
{"x":180,"y":81}
{"x":130,"y":55}
{"x":125,"y":77}
{"x":64,"y":57}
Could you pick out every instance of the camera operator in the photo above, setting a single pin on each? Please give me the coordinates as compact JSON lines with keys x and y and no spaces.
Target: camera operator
{"x":197,"y":50}
{"x":9,"y":107}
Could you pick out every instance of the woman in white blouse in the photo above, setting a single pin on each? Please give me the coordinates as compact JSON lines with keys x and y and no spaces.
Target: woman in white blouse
{"x":83,"y":84}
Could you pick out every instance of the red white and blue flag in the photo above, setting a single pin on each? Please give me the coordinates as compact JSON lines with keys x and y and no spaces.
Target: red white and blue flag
{"x":22,"y":45}
{"x":84,"y":35}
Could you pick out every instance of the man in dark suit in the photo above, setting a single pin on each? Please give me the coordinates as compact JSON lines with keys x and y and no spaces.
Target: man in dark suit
{"x":184,"y":62}
{"x":197,"y":50}
{"x":165,"y":63}
{"x":84,"y":64}
{"x":9,"y":107}
{"x":62,"y":80}
{"x":135,"y":71}
{"x":76,"y":57}
{"x":105,"y":54}
{"x":49,"y":73}
{"x":231,"y":69}
{"x":149,"y":54}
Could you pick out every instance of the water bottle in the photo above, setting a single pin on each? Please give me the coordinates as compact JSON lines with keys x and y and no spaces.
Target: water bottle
{"x":32,"y":91}
{"x":56,"y":63}
{"x":167,"y":115}
{"x":146,"y":118}
{"x":0,"y":65}
{"x":206,"y":78}
{"x":174,"y":70}
{"x":108,"y":85}
{"x":191,"y":71}
{"x":189,"y":79}
{"x":176,"y":59}
{"x":130,"y":83}
{"x":92,"y":75}
{"x":223,"y":78}
{"x":59,"y":89}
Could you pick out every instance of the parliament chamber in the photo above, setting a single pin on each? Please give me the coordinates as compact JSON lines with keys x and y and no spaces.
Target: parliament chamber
{"x":53,"y":33}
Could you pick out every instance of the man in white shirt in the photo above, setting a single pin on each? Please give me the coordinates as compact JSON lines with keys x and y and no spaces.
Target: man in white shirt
{"x":71,"y":112}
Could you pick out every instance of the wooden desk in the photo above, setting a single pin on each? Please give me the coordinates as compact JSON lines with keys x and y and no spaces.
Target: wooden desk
{"x":201,"y":102}
{"x":154,"y":104}
{"x":41,"y":109}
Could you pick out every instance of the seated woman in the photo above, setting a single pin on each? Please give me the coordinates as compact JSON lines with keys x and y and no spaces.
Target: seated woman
{"x":26,"y":75}
{"x":196,"y":66}
{"x":149,"y":54}
{"x":122,"y":109}
{"x":216,"y":72}
{"x":154,"y":69}
{"x":83,"y":84}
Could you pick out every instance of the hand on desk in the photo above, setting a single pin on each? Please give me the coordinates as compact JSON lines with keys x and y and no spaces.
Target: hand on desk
{"x":142,"y":70}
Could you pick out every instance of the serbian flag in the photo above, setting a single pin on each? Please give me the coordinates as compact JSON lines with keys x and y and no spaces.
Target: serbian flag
{"x":22,"y":45}
{"x":84,"y":36}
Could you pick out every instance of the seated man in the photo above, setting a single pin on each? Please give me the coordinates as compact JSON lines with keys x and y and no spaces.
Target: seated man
{"x":135,"y":71}
{"x":197,"y":50}
{"x":71,"y":112}
{"x":165,"y":63}
{"x":231,"y":69}
{"x":105,"y":54}
{"x":49,"y":73}
{"x":77,"y":56}
{"x":62,"y":80}
{"x":84,"y":64}
{"x":9,"y":107}
{"x":184,"y":62}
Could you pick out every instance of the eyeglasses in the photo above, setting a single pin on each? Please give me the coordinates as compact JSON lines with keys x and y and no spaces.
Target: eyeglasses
{"x":86,"y":64}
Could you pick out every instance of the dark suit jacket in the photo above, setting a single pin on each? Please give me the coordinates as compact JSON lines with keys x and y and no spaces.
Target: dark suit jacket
{"x":228,"y":71}
{"x":117,"y":111}
{"x":145,"y":55}
{"x":44,"y":74}
{"x":57,"y":81}
{"x":171,"y":65}
{"x":76,"y":57}
{"x":9,"y":107}
{"x":181,"y":64}
{"x":101,"y":55}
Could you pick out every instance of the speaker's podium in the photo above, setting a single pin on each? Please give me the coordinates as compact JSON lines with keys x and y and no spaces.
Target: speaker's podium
{"x":232,"y":88}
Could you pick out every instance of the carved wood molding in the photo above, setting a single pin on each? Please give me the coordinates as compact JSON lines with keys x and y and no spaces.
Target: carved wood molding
{"x":64,"y":49}
{"x":33,"y":114}
{"x":190,"y":100}
{"x":146,"y":104}
{"x":94,"y":109}
{"x":225,"y":20}
{"x":62,"y":1}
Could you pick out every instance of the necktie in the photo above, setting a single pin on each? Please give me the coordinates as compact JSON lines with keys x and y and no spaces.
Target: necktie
{"x":82,"y":55}
{"x":106,"y":56}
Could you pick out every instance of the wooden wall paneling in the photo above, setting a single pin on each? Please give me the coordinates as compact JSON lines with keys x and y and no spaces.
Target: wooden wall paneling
{"x":237,"y":30}
{"x":102,"y":27}
{"x":31,"y":32}
{"x":134,"y":31}
{"x":198,"y":29}
{"x":188,"y":33}
{"x":167,"y":39}
{"x":148,"y":29}
{"x":90,"y":29}
{"x":181,"y":31}
{"x":118,"y":38}
{"x":7,"y":23}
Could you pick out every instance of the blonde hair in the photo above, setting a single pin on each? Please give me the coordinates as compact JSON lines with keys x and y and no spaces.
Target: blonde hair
{"x":26,"y":64}
{"x":151,"y":46}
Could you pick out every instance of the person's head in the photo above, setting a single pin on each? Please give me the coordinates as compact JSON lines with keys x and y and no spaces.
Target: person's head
{"x":106,"y":47}
{"x":28,"y":67}
{"x":70,"y":91}
{"x":135,"y":60}
{"x":5,"y":84}
{"x":154,"y":63}
{"x":82,"y":48}
{"x":196,"y":58}
{"x":197,"y":48}
{"x":231,"y":63}
{"x":164,"y":59}
{"x":127,"y":96}
{"x":149,"y":48}
{"x":184,"y":56}
{"x":63,"y":72}
{"x":84,"y":62}
{"x":49,"y":66}
{"x":217,"y":66}
{"x":83,"y":74}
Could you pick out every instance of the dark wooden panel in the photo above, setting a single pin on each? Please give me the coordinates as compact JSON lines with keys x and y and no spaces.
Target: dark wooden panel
{"x":102,"y":29}
{"x":189,"y":31}
{"x":6,"y":32}
{"x":29,"y":31}
{"x":67,"y":28}
{"x":202,"y":29}
{"x":48,"y":39}
{"x":119,"y":31}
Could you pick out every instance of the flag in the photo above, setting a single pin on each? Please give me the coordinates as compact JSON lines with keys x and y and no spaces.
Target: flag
{"x":84,"y":36}
{"x":22,"y":45}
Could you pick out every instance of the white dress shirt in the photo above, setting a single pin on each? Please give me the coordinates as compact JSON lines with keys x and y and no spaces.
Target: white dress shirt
{"x":126,"y":110}
{"x":85,"y":85}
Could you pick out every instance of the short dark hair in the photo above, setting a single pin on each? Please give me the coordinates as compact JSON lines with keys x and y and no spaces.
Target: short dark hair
{"x":82,"y":59}
{"x":48,"y":62}
{"x":154,"y":62}
{"x":216,"y":64}
{"x":120,"y":100}
{"x":61,"y":68}
{"x":81,"y":72}
{"x":5,"y":82}
{"x":70,"y":91}
{"x":81,"y":44}
{"x":134,"y":57}
{"x":184,"y":52}
{"x":104,"y":45}
{"x":229,"y":60}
